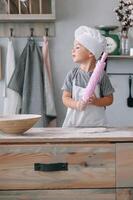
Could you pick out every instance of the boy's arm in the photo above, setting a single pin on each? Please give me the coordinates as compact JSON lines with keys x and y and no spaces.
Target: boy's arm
{"x":71,"y":103}
{"x":103,"y":101}
{"x":67,"y":100}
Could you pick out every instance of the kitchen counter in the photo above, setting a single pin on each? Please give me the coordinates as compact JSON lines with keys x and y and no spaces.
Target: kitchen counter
{"x":73,"y":163}
{"x":59,"y":135}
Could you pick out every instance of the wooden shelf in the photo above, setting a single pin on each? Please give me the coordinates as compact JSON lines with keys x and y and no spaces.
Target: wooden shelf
{"x":31,"y":11}
{"x":121,"y":56}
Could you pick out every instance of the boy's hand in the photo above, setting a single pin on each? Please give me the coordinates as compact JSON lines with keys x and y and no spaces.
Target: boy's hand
{"x":92,"y":100}
{"x":81,"y":105}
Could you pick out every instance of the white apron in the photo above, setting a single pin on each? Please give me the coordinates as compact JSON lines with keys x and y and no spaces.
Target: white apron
{"x":91,"y":116}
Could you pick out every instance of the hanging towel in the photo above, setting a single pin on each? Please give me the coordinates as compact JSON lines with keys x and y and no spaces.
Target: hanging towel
{"x":12,"y":100}
{"x":28,"y":81}
{"x":50,"y":104}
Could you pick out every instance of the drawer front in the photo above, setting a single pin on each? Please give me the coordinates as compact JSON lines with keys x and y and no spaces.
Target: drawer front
{"x":58,"y":194}
{"x":124,"y":165}
{"x":89,"y":166}
{"x":125,"y":194}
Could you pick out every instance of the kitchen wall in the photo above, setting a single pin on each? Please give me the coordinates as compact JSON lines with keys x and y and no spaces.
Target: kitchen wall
{"x":71,"y":14}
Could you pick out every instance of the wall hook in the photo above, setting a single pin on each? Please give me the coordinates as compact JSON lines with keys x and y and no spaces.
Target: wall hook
{"x":31,"y":32}
{"x":46,"y":32}
{"x":11,"y":32}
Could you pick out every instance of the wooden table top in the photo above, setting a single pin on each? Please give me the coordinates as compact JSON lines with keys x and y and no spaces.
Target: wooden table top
{"x":69,"y":135}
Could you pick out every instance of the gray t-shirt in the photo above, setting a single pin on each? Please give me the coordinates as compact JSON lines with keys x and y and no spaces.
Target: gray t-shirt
{"x":82,"y":78}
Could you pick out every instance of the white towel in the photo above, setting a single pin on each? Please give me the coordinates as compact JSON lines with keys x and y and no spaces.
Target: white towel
{"x":12,"y":100}
{"x":50,"y":105}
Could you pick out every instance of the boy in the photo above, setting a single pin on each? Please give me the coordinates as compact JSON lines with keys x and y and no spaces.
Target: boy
{"x":89,"y":44}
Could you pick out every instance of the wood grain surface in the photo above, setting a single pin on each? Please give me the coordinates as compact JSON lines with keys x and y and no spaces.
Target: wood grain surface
{"x":59,"y":194}
{"x":124,"y":165}
{"x":89,"y":166}
{"x":69,"y":135}
{"x":124,"y":194}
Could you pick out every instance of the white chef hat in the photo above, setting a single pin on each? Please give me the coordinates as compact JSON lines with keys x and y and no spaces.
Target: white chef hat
{"x":91,"y":39}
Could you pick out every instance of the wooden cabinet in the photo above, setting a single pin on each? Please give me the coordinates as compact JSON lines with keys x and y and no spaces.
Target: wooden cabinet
{"x":95,"y":194}
{"x":124,"y":165}
{"x":28,"y":10}
{"x":124,"y":194}
{"x":88,"y":166}
{"x":124,"y":171}
{"x":50,"y":164}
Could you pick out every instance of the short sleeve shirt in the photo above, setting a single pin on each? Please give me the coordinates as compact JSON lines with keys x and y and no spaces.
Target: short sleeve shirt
{"x":82,"y":78}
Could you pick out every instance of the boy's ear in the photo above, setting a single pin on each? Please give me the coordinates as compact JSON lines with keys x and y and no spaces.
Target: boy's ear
{"x":91,"y":55}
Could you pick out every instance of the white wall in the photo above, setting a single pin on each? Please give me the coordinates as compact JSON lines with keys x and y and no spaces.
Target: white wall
{"x":71,"y":14}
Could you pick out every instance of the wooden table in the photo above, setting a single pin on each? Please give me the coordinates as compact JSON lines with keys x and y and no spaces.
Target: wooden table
{"x":67,"y":164}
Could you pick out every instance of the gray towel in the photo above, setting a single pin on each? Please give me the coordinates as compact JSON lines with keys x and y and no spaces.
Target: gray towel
{"x":28,"y":81}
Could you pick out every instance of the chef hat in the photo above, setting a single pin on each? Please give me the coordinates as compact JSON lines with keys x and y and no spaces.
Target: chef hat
{"x":91,"y":39}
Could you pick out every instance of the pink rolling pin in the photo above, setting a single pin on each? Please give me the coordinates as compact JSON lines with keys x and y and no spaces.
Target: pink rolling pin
{"x":89,"y":91}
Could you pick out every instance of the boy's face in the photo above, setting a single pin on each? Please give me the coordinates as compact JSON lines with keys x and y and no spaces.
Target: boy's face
{"x":80,"y":54}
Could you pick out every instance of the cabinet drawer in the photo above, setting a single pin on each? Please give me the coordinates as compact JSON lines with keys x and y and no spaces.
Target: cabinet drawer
{"x":58,"y":194}
{"x":124,"y":165}
{"x":89,"y":166}
{"x":125,"y":194}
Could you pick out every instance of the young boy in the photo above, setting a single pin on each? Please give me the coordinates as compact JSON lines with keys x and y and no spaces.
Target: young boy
{"x":89,"y":44}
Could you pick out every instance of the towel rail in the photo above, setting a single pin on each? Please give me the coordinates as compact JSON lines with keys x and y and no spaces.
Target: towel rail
{"x":46,"y":32}
{"x":40,"y":30}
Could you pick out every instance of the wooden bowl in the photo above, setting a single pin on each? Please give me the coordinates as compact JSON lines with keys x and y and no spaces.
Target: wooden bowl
{"x":18,"y":123}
